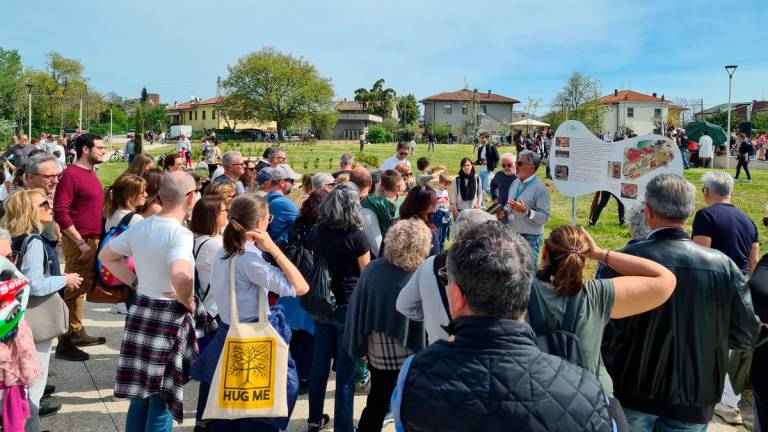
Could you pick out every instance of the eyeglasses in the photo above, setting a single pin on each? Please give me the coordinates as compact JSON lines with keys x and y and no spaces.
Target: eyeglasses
{"x":251,"y":168}
{"x":280,"y":157}
{"x":408,"y":174}
{"x":271,"y":218}
{"x":442,"y":274}
{"x":190,"y":192}
{"x":521,"y":163}
{"x":234,"y":165}
{"x":48,"y":177}
{"x":509,"y":165}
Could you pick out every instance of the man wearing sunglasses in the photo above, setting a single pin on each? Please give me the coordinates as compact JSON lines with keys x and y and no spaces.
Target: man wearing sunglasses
{"x":234,"y":167}
{"x":401,"y":156}
{"x":491,"y":374}
{"x":283,"y":209}
{"x":528,"y":202}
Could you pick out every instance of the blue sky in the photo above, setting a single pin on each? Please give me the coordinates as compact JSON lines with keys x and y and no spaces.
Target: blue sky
{"x":516,"y":48}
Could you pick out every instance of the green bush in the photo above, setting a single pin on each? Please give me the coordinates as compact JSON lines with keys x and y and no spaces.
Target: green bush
{"x":377,"y":134}
{"x":441,"y":131}
{"x":368,"y":160}
{"x":103,"y":129}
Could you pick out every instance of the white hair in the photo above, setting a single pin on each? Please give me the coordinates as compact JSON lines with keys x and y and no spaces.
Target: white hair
{"x":718,"y":182}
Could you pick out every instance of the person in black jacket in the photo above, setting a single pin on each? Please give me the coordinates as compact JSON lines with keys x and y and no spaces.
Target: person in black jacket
{"x":487,"y":159}
{"x":668,"y":365}
{"x":746,"y":151}
{"x":758,"y":286}
{"x":492,"y":376}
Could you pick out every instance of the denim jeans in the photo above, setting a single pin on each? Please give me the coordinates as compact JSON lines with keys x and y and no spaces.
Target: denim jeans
{"x":642,"y":422}
{"x":534,"y":241}
{"x":149,"y":414}
{"x":485,"y":180}
{"x":684,"y":153}
{"x":329,"y":340}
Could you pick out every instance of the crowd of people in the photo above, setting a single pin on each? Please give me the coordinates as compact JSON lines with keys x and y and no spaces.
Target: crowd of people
{"x":502,"y":328}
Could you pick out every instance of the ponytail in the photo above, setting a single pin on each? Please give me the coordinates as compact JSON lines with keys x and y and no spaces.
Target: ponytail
{"x":246,"y":210}
{"x":567,"y":252}
{"x":234,"y":239}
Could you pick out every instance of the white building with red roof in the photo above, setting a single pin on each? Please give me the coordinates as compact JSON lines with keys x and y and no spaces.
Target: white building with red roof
{"x":638,"y":112}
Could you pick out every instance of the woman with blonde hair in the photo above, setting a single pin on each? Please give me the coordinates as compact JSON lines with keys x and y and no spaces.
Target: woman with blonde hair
{"x":141,"y":163}
{"x":375,"y":328}
{"x":245,"y":241}
{"x":126,"y":196}
{"x":559,"y":286}
{"x":224,"y":188}
{"x":26,"y":212}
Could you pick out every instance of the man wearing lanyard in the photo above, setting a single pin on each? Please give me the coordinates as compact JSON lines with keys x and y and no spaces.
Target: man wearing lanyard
{"x":528,"y":204}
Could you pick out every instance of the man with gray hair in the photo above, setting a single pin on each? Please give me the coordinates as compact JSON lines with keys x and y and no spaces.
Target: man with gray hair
{"x":276,"y":156}
{"x":422,"y":299}
{"x":493,"y":361}
{"x":527,"y":205}
{"x":233,"y":164}
{"x":724,"y":227}
{"x":668,"y":364}
{"x":41,"y":172}
{"x":159,"y":329}
{"x":346,"y":162}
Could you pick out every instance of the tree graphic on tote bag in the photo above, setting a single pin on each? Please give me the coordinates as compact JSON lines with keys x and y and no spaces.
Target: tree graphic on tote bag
{"x":250,"y":359}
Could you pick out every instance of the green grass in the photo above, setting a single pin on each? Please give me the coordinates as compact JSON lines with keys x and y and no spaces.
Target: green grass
{"x":751,"y":198}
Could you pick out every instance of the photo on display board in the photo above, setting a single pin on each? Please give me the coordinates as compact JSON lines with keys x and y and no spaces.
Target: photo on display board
{"x":614,"y":170}
{"x":646,"y":156}
{"x":562,"y":154}
{"x":561,"y":172}
{"x":563,"y":141}
{"x":629,"y":190}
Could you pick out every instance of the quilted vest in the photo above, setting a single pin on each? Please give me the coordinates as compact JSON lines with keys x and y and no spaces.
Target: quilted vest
{"x":493,"y":377}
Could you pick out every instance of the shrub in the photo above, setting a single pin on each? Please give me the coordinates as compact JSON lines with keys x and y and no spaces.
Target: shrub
{"x":368,"y":160}
{"x":378,"y":134}
{"x":441,"y":131}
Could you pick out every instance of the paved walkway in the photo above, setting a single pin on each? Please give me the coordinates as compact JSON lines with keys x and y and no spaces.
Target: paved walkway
{"x":85,"y":388}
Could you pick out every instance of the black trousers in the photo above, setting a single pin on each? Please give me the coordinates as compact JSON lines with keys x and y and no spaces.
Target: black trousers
{"x":383,"y":382}
{"x":761,"y":411}
{"x":743,"y":164}
{"x":604,"y":198}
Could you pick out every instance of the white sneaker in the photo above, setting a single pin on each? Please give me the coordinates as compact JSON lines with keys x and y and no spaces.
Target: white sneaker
{"x":730,"y":415}
{"x":119,"y":309}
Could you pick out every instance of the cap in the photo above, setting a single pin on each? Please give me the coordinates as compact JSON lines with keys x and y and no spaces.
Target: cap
{"x":321,"y":179}
{"x":264,"y":175}
{"x":284,"y":172}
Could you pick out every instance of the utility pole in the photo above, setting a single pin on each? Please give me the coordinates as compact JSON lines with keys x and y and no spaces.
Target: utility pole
{"x":29,"y":101}
{"x":110,"y":123}
{"x":80,"y":115}
{"x":730,"y":69}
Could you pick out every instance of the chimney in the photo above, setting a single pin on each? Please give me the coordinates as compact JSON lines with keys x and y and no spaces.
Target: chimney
{"x":489,"y":93}
{"x":174,"y":104}
{"x":654,"y":94}
{"x":662,"y":97}
{"x":615,"y":92}
{"x":218,"y":86}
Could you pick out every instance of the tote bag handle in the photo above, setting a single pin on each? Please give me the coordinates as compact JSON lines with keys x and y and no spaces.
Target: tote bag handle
{"x":263,"y":300}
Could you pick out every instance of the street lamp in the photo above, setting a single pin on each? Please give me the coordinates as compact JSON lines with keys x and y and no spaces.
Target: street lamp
{"x":29,"y":100}
{"x":730,"y":69}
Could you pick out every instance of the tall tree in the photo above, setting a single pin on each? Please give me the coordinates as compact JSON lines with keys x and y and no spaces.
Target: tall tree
{"x":63,"y":69}
{"x":156,"y":118}
{"x":378,"y":100}
{"x":10,"y":82}
{"x":408,"y":109}
{"x":578,"y":101}
{"x":277,"y":87}
{"x":138,"y":140}
{"x":144,"y":95}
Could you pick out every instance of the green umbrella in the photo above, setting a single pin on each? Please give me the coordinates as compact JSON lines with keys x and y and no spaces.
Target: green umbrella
{"x":694,"y":130}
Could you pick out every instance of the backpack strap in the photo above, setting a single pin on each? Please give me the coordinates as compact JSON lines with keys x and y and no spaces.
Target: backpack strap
{"x":535,"y":316}
{"x":23,"y":251}
{"x":126,"y":219}
{"x":572,"y":311}
{"x":204,"y":294}
{"x":437,"y":264}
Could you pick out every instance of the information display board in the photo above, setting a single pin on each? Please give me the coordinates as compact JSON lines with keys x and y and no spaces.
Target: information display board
{"x":581,"y":163}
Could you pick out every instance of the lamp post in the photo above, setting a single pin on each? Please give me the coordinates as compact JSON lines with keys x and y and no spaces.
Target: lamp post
{"x":110,"y":123}
{"x":730,"y":69}
{"x":29,"y":102}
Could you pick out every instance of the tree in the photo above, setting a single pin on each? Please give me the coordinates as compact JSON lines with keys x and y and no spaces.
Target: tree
{"x":156,"y":118}
{"x":144,"y":97}
{"x":273,"y":86}
{"x":377,"y":100}
{"x":408,"y":108}
{"x":323,"y":123}
{"x":138,"y":145}
{"x":250,"y":359}
{"x":62,"y":69}
{"x":578,"y":101}
{"x":234,"y":110}
{"x":10,"y":82}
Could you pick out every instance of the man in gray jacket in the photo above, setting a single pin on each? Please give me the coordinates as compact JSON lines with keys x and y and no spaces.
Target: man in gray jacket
{"x":528,"y":203}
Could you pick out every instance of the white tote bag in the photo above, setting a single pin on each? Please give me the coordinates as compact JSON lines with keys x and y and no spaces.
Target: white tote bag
{"x":251,"y":377}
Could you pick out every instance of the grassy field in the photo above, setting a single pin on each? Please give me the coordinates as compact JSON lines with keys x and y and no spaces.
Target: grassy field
{"x":323,"y":157}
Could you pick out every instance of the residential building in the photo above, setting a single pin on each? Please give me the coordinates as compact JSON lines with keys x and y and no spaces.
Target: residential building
{"x":739,"y":110}
{"x":206,"y":114}
{"x":630,"y":110}
{"x":456,"y":110}
{"x":353,"y":118}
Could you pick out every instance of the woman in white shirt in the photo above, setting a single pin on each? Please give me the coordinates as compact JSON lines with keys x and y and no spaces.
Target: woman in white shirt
{"x":127,"y":195}
{"x":246,"y":240}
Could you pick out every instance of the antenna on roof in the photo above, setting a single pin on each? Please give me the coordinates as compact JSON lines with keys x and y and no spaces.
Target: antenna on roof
{"x":466,"y":82}
{"x":218,"y":86}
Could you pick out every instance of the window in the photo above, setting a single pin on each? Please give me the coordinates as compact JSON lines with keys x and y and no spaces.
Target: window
{"x":190,"y":116}
{"x":447,"y":109}
{"x":203,"y":114}
{"x":657,"y":112}
{"x":195,"y":114}
{"x":630,"y":112}
{"x":464,"y":109}
{"x":213,"y":114}
{"x":483,"y":109}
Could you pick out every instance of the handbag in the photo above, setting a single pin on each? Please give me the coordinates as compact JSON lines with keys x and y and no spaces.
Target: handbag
{"x":47,"y":316}
{"x":320,"y":301}
{"x":251,"y":377}
{"x":108,"y":295}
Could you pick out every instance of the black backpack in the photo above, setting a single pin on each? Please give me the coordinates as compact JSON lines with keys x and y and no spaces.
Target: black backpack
{"x":561,"y":341}
{"x":297,"y":253}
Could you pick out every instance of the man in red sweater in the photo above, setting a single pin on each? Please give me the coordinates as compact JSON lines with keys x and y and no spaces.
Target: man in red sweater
{"x":77,"y":208}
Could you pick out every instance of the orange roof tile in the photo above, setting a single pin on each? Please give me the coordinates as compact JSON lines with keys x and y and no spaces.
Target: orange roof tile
{"x":629,"y":96}
{"x":469,"y":95}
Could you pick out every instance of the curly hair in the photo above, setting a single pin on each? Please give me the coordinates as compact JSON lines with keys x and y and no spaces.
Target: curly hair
{"x":408,"y":244}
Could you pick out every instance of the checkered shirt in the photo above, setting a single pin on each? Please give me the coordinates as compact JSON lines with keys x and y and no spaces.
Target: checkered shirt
{"x":385,"y":353}
{"x":157,"y":351}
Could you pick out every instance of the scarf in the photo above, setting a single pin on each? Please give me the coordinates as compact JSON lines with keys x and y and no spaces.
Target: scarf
{"x":384,"y":209}
{"x":467,"y":189}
